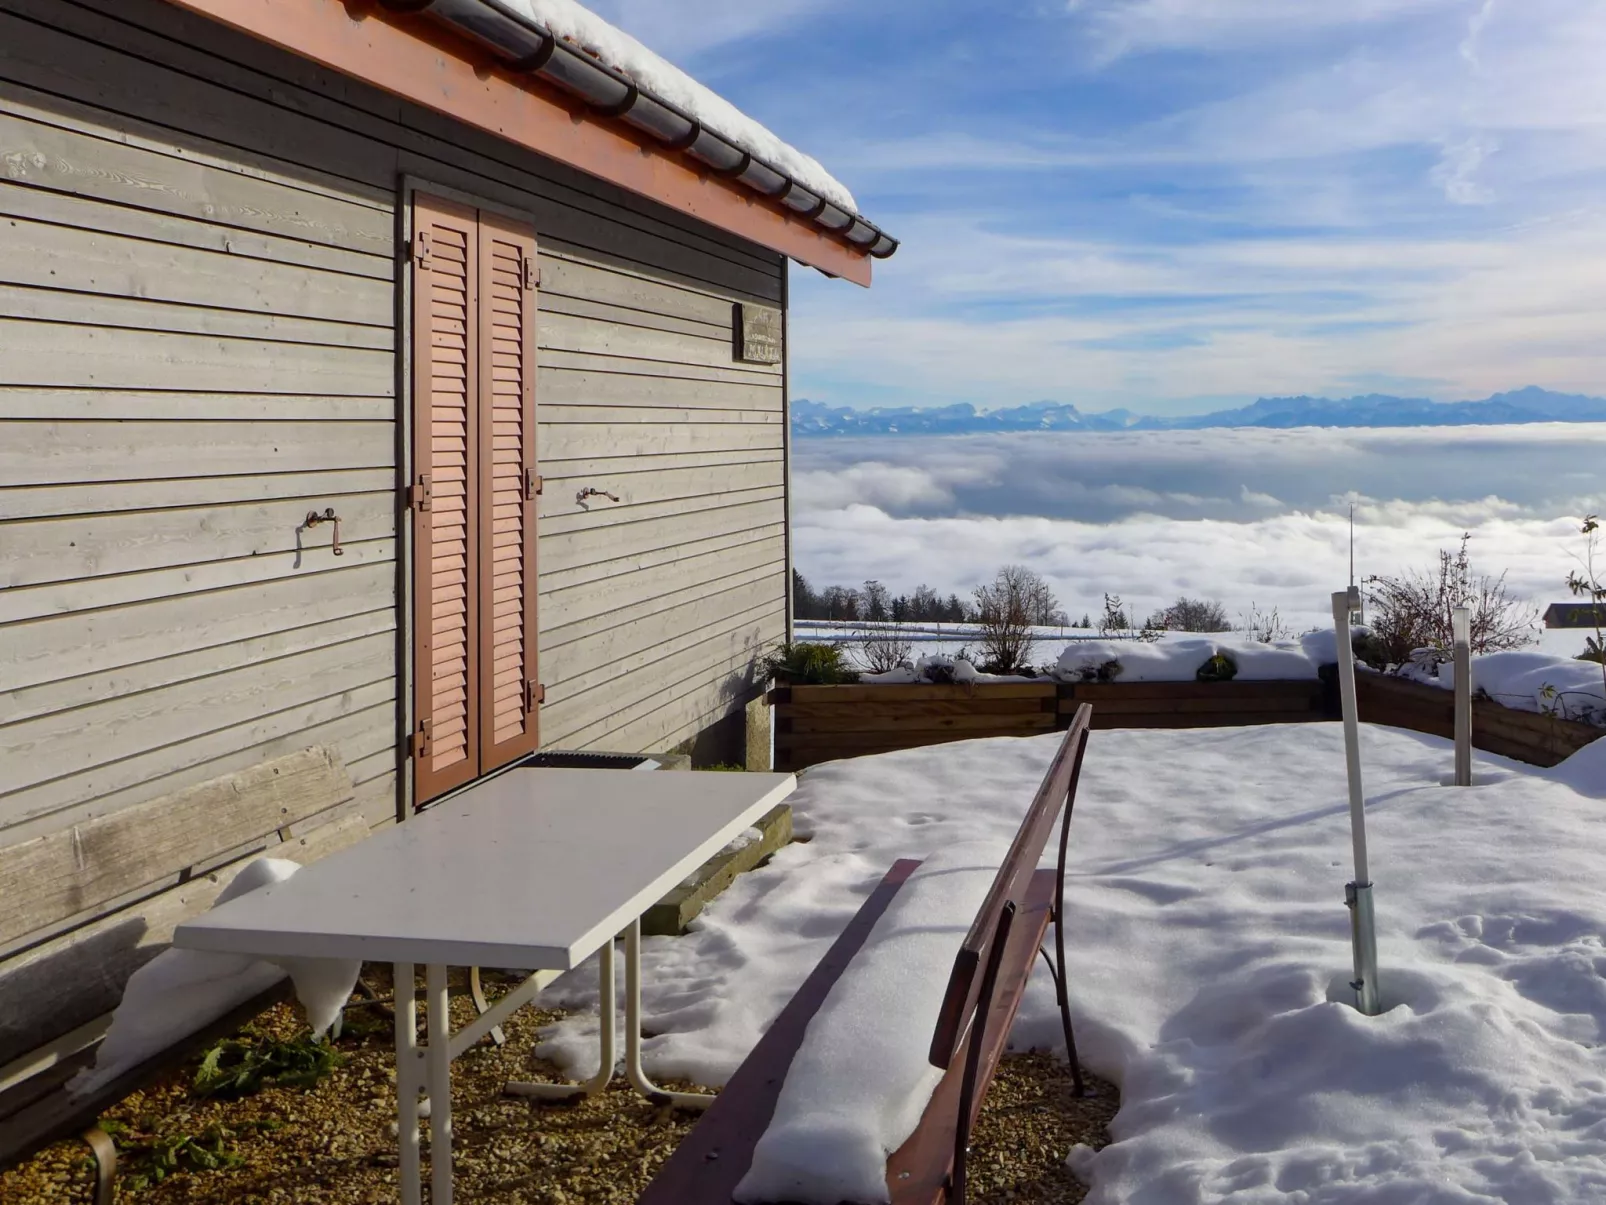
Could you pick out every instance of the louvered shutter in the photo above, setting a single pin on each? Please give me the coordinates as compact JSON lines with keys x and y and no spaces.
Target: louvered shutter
{"x":509,"y":694}
{"x":446,"y":424}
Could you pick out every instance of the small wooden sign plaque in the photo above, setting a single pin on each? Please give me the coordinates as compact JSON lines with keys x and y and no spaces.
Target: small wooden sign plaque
{"x":758,"y":334}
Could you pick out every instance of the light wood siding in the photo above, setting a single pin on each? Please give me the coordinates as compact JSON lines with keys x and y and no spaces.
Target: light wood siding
{"x":198,"y":250}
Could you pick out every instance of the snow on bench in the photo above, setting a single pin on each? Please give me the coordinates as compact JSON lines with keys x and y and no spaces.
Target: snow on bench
{"x":845,"y":1098}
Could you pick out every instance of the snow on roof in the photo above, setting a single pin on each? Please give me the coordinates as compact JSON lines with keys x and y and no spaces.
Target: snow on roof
{"x":572,"y":23}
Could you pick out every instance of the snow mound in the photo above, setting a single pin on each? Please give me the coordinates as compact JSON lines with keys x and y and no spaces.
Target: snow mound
{"x":937,"y":668}
{"x":860,"y":1081}
{"x":179,"y":991}
{"x":1210,"y":953}
{"x":569,"y":21}
{"x":1178,"y":659}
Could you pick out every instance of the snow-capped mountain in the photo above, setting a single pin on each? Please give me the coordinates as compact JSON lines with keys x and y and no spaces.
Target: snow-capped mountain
{"x":1529,"y":405}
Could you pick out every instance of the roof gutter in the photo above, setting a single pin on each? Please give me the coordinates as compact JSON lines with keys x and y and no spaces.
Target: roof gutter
{"x":528,"y":49}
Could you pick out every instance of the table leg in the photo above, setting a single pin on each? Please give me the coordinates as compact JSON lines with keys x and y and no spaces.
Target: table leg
{"x":607,"y":1013}
{"x":407,"y":1059}
{"x":638,"y":1077}
{"x":438,"y":1070}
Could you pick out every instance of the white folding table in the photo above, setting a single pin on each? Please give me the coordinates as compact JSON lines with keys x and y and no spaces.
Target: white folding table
{"x":536,"y":869}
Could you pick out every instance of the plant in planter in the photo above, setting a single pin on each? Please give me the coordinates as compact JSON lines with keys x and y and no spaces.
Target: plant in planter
{"x":804,"y":663}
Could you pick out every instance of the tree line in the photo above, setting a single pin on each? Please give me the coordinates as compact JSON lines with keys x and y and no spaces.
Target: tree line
{"x":873,"y":602}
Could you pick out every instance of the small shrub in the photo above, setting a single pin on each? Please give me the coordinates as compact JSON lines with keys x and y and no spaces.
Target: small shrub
{"x":1005,"y":612}
{"x":1414,"y":610}
{"x":1114,"y":621}
{"x":1220,"y":668}
{"x":815,"y":664}
{"x":236,"y":1067}
{"x":1266,"y":627}
{"x":882,"y":649}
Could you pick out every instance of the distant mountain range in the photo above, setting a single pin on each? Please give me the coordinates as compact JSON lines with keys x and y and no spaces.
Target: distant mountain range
{"x":1530,"y":405}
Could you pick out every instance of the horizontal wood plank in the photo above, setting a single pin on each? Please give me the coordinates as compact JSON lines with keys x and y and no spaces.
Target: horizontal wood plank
{"x":96,"y":593}
{"x":102,"y":263}
{"x":92,"y":645}
{"x":67,"y":452}
{"x":83,"y":546}
{"x":63,"y":744}
{"x":74,"y":356}
{"x":62,"y":873}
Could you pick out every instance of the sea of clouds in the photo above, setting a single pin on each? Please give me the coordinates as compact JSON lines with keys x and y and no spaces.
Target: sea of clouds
{"x":1246,"y":516}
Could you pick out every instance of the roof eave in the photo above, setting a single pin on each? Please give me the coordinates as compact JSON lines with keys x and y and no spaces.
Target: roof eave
{"x":584,"y":124}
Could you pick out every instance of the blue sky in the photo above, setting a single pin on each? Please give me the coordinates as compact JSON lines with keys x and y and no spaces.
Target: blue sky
{"x":1174,"y":205}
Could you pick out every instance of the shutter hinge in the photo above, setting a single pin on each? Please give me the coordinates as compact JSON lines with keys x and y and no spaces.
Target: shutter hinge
{"x":532,"y":484}
{"x":418,"y":743}
{"x":532,"y":272}
{"x":534,"y":696}
{"x":423,"y":248}
{"x":418,"y":496}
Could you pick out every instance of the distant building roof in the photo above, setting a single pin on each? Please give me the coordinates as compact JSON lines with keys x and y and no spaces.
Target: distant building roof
{"x":1575,"y":615}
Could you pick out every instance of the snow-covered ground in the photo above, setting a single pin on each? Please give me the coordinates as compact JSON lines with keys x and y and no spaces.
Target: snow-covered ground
{"x":1209,"y":949}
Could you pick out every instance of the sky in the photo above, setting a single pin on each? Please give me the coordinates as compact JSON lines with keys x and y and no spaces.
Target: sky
{"x":1176,"y":205}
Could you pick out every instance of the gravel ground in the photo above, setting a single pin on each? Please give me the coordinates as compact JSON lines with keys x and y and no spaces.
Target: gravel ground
{"x":334,"y":1144}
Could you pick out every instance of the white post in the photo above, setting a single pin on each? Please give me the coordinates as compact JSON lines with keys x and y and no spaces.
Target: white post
{"x":1358,"y":893}
{"x":1461,"y":629}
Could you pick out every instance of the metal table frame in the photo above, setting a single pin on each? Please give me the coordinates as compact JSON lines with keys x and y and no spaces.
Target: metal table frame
{"x":425,"y":1067}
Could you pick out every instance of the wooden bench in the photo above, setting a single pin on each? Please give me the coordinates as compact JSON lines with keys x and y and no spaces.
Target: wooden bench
{"x":79,"y":875}
{"x":983,"y":994}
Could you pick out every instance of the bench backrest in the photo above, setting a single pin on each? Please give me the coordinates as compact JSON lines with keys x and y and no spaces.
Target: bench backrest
{"x":82,"y":866}
{"x":1056,"y":794}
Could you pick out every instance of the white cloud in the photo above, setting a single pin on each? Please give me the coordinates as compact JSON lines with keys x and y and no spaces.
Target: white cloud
{"x":1149,"y":515}
{"x":1291,"y":561}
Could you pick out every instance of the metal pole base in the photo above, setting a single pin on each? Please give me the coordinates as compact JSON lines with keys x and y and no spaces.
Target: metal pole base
{"x":1363,"y":938}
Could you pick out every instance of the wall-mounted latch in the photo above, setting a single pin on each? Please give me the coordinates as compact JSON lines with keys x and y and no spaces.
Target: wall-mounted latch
{"x":418,"y":495}
{"x":328,"y":516}
{"x":532,"y":484}
{"x":590,"y":492}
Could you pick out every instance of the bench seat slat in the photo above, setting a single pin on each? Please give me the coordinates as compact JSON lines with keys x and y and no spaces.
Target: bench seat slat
{"x":713,"y":1158}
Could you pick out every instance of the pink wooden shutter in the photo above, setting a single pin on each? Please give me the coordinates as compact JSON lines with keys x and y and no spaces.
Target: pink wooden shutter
{"x":509,"y":692}
{"x":445,"y":433}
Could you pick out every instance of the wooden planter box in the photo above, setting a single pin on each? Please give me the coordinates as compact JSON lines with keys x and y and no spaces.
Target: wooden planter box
{"x":822,"y":723}
{"x":1528,"y":736}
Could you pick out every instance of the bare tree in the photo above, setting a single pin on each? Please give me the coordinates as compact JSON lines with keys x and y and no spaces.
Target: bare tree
{"x":1196,"y":615}
{"x":1414,"y":610}
{"x":1005,"y":612}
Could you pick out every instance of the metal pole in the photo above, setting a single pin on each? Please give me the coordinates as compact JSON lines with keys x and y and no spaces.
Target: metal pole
{"x":1461,"y":628}
{"x":1357,"y":894}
